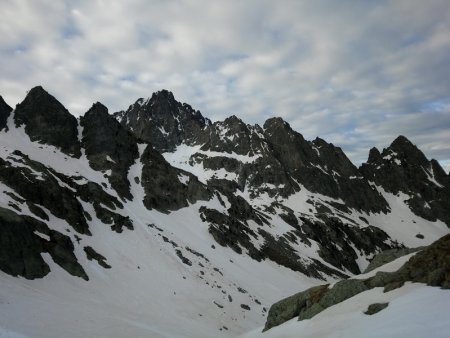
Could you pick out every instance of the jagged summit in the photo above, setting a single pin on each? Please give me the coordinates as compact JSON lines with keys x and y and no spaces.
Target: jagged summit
{"x":46,"y":120}
{"x":403,"y":168}
{"x":5,"y":110}
{"x":163,"y":95}
{"x":98,"y":109}
{"x":404,"y":149}
{"x":374,"y":156}
{"x":163,"y":121}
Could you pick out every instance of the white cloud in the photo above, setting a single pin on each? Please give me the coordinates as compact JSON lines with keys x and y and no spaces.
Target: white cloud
{"x":356,"y":75}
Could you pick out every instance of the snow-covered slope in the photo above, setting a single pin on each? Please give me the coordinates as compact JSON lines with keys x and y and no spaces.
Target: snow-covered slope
{"x":415,"y":310}
{"x":407,"y":297}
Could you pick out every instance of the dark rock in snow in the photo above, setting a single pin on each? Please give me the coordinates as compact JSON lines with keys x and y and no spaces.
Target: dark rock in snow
{"x":375,"y":308}
{"x":92,"y":254}
{"x":21,"y":247}
{"x":163,"y":189}
{"x":39,"y":185}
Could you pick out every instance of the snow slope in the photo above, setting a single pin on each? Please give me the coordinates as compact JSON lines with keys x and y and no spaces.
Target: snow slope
{"x":414,"y":311}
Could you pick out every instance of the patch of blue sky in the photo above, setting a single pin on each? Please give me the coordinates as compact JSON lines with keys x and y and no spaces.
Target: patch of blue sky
{"x":14,"y":50}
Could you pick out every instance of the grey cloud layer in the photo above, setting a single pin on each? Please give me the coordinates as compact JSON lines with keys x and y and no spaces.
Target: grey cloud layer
{"x":355,"y":74}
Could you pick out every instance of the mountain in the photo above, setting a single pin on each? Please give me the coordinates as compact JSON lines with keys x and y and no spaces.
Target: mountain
{"x":134,"y":221}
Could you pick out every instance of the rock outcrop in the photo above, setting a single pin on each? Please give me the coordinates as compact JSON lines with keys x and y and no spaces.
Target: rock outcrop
{"x":168,"y":188}
{"x":24,"y":238}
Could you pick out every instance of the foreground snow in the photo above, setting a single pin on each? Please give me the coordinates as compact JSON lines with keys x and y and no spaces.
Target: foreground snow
{"x":148,"y":292}
{"x":414,"y":311}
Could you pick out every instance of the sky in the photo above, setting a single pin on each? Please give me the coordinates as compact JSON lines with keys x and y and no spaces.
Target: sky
{"x":355,"y":73}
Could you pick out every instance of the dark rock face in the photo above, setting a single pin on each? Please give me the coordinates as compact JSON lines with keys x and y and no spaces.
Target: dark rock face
{"x":163,"y":121}
{"x":336,"y":239}
{"x":403,"y":168}
{"x":46,"y":120}
{"x":41,"y":187}
{"x":164,"y":190}
{"x":430,"y":266}
{"x":21,"y":247}
{"x":5,"y":110}
{"x":234,"y":136}
{"x":321,"y":167}
{"x":109,"y":146}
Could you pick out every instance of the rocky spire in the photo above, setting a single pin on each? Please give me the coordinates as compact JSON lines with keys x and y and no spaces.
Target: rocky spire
{"x":5,"y":110}
{"x":406,"y":150}
{"x":109,"y":146}
{"x":47,"y":121}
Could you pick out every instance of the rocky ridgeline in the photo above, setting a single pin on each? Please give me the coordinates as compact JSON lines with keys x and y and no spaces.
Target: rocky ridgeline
{"x":282,"y":162}
{"x":271,"y":162}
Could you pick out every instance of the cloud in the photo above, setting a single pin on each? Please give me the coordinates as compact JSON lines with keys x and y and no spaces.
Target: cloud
{"x":357,"y":75}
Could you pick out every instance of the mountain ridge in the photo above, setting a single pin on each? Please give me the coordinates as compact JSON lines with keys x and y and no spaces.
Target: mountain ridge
{"x":160,"y":189}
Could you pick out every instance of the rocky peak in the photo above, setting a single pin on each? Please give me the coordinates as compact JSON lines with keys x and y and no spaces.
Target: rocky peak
{"x":233,"y":120}
{"x":274,"y":123}
{"x":402,"y":167}
{"x":234,"y":136}
{"x":97,"y":112}
{"x":334,"y":158}
{"x":289,"y":146}
{"x":46,"y":120}
{"x":374,"y":156}
{"x":109,"y":146}
{"x":164,"y":122}
{"x":163,"y":96}
{"x":5,"y":110}
{"x":405,"y":150}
